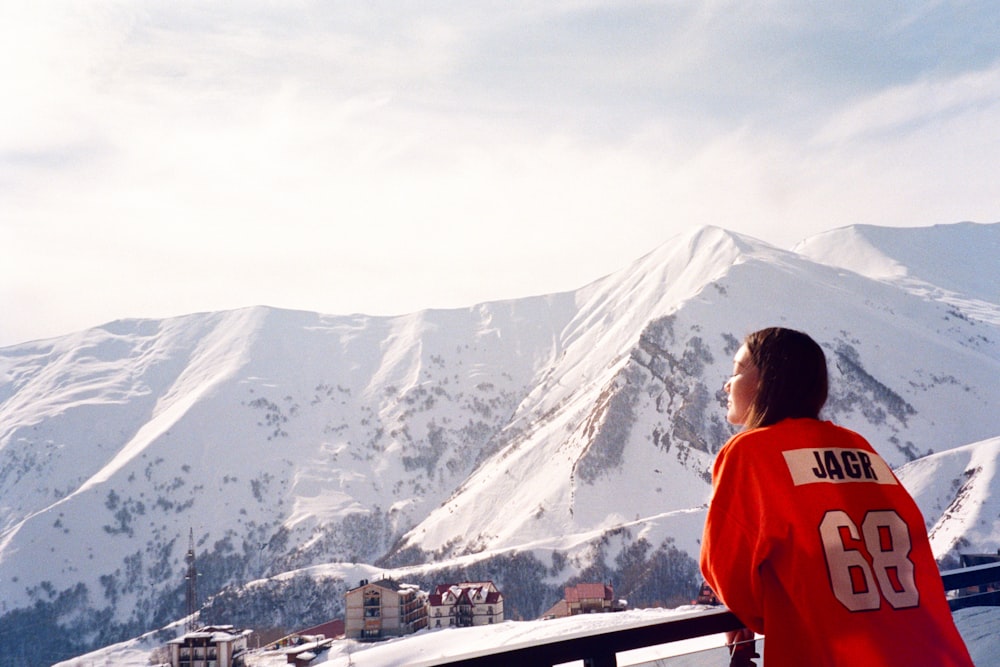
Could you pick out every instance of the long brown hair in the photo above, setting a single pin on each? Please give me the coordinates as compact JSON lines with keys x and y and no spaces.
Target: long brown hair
{"x":792,"y":380}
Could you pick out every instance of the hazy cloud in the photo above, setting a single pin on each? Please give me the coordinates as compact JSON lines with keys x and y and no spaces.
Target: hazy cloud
{"x":160,"y":158}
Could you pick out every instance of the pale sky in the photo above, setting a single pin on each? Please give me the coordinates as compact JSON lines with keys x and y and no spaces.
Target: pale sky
{"x":165,"y":158}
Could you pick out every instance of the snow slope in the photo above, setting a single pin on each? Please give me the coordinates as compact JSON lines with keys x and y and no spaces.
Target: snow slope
{"x":954,"y":263}
{"x":965,"y":511}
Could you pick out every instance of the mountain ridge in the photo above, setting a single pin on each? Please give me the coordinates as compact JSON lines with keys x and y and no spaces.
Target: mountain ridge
{"x":547,"y":438}
{"x":941,"y":260}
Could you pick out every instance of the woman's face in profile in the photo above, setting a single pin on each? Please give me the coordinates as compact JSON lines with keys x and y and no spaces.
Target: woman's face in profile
{"x":741,"y":387}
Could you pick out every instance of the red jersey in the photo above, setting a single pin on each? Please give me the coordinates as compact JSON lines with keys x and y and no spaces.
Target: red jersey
{"x":812,"y":541}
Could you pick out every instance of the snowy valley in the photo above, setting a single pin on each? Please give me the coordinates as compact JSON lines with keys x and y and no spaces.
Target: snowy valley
{"x":535,"y":442}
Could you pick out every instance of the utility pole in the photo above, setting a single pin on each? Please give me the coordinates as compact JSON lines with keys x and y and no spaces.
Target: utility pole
{"x":192,"y":584}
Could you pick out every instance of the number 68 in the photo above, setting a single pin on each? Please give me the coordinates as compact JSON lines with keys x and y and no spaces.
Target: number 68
{"x":860,"y":582}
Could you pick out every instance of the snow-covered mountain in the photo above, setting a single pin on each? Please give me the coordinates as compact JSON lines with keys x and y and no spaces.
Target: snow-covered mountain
{"x":532,"y":441}
{"x":965,"y":514}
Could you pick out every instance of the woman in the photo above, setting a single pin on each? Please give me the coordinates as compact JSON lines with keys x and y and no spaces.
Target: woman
{"x":810,"y":538}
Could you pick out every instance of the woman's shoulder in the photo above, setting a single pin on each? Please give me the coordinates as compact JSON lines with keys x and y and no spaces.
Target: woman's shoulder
{"x":843,"y":434}
{"x":791,"y":431}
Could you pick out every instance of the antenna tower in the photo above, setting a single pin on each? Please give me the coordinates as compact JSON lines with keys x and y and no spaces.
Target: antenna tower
{"x":192,"y":584}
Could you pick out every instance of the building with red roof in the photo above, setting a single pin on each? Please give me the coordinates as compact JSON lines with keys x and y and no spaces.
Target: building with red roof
{"x":587,"y":598}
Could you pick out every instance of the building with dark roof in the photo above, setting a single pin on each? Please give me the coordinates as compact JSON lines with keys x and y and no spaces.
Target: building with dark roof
{"x":211,"y":646}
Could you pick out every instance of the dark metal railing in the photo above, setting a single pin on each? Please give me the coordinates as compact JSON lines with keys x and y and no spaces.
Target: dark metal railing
{"x":600,"y":649}
{"x":978,"y":586}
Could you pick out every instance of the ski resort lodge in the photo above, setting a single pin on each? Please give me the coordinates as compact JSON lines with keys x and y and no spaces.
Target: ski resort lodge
{"x":465,"y":604}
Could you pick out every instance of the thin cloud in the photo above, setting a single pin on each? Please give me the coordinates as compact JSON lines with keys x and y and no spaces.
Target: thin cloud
{"x":909,"y":108}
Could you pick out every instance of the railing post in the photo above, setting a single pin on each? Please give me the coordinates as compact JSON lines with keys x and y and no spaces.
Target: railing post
{"x":608,"y":659}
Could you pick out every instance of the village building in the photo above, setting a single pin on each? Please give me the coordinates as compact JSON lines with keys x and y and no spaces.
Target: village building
{"x":384,"y":608}
{"x":330,"y":630}
{"x":465,"y":604}
{"x":211,"y":646}
{"x":586,"y":599}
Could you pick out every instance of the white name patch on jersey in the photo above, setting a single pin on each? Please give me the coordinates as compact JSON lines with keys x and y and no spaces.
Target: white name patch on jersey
{"x":837,"y":465}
